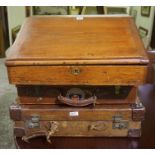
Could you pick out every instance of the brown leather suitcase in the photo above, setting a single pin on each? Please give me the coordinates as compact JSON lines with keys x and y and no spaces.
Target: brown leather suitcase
{"x":57,"y":120}
{"x":60,"y":95}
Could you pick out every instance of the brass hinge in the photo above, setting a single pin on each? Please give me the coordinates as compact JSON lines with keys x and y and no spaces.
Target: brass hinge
{"x":119,"y":123}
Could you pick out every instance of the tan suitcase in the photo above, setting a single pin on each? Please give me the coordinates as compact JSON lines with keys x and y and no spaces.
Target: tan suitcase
{"x":102,"y":120}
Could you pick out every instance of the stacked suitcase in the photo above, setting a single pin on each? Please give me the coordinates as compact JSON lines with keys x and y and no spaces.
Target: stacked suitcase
{"x":76,"y":76}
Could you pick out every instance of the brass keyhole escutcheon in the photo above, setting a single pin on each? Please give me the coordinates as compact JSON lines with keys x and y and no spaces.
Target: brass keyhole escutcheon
{"x":75,"y":71}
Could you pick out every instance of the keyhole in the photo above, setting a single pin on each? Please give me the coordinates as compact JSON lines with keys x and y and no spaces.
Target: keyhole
{"x":75,"y":71}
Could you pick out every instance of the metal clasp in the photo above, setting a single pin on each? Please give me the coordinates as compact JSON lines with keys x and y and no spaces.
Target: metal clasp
{"x":119,"y":123}
{"x":33,"y":122}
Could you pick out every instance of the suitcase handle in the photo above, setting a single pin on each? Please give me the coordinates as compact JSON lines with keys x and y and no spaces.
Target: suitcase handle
{"x":97,"y":126}
{"x":77,"y":103}
{"x":51,"y":130}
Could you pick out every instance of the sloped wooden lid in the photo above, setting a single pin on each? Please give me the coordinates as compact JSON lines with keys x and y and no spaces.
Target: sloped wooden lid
{"x":71,"y":40}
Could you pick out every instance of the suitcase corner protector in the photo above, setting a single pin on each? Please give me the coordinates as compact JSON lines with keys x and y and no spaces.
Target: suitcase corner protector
{"x":134,"y":133}
{"x":15,"y":112}
{"x":19,"y":132}
{"x":138,"y":112}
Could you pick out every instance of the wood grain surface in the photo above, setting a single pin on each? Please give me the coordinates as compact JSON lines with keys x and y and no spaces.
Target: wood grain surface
{"x":103,"y":50}
{"x":68,"y":40}
{"x":88,"y":75}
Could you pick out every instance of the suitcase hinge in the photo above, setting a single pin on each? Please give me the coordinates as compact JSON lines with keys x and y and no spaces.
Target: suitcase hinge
{"x":119,"y":123}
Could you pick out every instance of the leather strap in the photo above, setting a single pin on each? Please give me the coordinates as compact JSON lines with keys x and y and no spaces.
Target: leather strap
{"x":53,"y":127}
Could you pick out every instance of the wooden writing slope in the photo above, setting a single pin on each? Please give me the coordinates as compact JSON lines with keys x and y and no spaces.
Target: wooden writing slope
{"x":104,"y":50}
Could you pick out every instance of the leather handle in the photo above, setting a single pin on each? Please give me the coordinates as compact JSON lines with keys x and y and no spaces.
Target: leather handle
{"x":51,"y":130}
{"x":97,"y":126}
{"x":77,"y":103}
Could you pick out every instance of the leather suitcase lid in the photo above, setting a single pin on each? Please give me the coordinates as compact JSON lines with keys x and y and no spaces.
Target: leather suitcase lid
{"x":76,"y":40}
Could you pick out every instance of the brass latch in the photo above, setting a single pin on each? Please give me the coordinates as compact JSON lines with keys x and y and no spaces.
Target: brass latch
{"x":119,"y":123}
{"x":33,"y":122}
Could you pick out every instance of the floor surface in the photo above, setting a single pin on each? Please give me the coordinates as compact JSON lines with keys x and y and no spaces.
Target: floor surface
{"x":7,"y":97}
